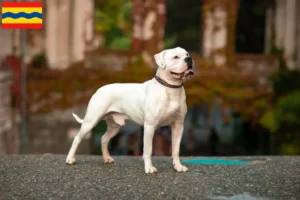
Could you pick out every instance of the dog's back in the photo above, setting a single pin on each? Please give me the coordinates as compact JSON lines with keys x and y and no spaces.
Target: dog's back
{"x":117,"y":90}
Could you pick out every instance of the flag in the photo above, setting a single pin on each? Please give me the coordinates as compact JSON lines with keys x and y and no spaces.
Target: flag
{"x":22,"y":15}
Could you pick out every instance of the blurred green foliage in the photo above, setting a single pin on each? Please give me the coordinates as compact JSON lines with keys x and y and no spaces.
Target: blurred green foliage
{"x":283,"y":120}
{"x":39,"y":60}
{"x":288,"y":119}
{"x":288,"y":112}
{"x":269,"y":121}
{"x":170,"y":41}
{"x":285,"y":81}
{"x":113,"y":19}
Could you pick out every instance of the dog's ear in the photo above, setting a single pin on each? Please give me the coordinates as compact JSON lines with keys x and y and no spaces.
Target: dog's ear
{"x":160,"y":59}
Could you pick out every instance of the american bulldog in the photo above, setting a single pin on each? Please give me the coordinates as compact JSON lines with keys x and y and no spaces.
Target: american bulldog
{"x":158,"y":102}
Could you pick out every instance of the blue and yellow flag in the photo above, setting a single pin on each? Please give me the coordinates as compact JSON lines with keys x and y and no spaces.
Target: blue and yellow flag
{"x":22,"y":15}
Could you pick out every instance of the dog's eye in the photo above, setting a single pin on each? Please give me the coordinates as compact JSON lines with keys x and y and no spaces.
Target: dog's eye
{"x":187,"y":54}
{"x":175,"y":57}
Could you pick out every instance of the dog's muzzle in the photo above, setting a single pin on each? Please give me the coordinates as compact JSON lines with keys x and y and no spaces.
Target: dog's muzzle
{"x":189,"y":62}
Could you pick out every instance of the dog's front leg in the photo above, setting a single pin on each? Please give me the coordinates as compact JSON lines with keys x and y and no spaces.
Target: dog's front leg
{"x":148,"y":140}
{"x":177,"y":131}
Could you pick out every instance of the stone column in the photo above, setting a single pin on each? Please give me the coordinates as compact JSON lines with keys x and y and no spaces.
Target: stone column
{"x":290,"y":33}
{"x":137,"y":19}
{"x":151,"y":35}
{"x":219,"y":20}
{"x":58,"y":33}
{"x":280,"y":23}
{"x":63,"y":33}
{"x":82,"y":28}
{"x":220,"y":35}
{"x":50,"y":35}
{"x":208,"y":26}
{"x":162,"y":11}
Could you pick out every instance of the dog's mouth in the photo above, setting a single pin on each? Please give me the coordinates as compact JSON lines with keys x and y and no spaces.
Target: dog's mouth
{"x":186,"y":73}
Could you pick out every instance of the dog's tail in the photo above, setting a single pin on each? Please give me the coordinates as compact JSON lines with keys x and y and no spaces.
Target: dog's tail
{"x":77,"y":118}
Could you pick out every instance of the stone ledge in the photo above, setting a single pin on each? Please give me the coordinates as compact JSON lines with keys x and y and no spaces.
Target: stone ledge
{"x":48,"y":177}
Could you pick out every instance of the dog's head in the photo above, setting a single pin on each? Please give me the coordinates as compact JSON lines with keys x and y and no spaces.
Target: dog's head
{"x":175,"y":63}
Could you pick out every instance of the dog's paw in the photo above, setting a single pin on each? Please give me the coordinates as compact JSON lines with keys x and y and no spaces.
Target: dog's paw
{"x":150,"y":169}
{"x":108,"y":160}
{"x":70,"y":160}
{"x":180,"y":168}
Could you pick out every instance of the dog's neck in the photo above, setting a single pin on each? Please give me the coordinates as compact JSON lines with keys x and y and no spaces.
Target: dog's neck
{"x":164,"y":83}
{"x":167,"y":81}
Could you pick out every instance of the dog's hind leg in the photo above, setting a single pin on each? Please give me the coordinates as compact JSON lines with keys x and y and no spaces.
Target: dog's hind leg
{"x":112,"y":130}
{"x":86,"y":127}
{"x":92,"y":117}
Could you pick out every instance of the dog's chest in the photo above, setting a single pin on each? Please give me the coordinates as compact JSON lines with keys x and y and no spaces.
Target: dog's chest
{"x":172,"y":107}
{"x":168,"y":113}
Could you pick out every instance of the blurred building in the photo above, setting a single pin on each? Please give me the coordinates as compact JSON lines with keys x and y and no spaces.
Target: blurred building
{"x":69,"y":30}
{"x":68,"y":24}
{"x":68,"y":27}
{"x":283,"y":30}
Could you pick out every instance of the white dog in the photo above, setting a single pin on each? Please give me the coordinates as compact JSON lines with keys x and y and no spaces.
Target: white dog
{"x":154,"y":103}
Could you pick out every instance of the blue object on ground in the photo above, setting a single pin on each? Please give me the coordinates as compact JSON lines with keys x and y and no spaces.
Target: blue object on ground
{"x":215,"y":162}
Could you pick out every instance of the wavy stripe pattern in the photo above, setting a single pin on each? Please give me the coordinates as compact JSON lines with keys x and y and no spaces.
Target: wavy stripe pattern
{"x":26,"y":10}
{"x":22,"y":14}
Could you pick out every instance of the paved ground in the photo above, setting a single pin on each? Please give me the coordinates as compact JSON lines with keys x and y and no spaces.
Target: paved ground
{"x":48,"y":177}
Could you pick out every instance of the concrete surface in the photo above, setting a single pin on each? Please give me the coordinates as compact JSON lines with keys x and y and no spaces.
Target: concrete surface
{"x":48,"y":177}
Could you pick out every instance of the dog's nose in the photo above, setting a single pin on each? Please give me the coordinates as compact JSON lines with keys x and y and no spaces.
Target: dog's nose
{"x":189,"y":62}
